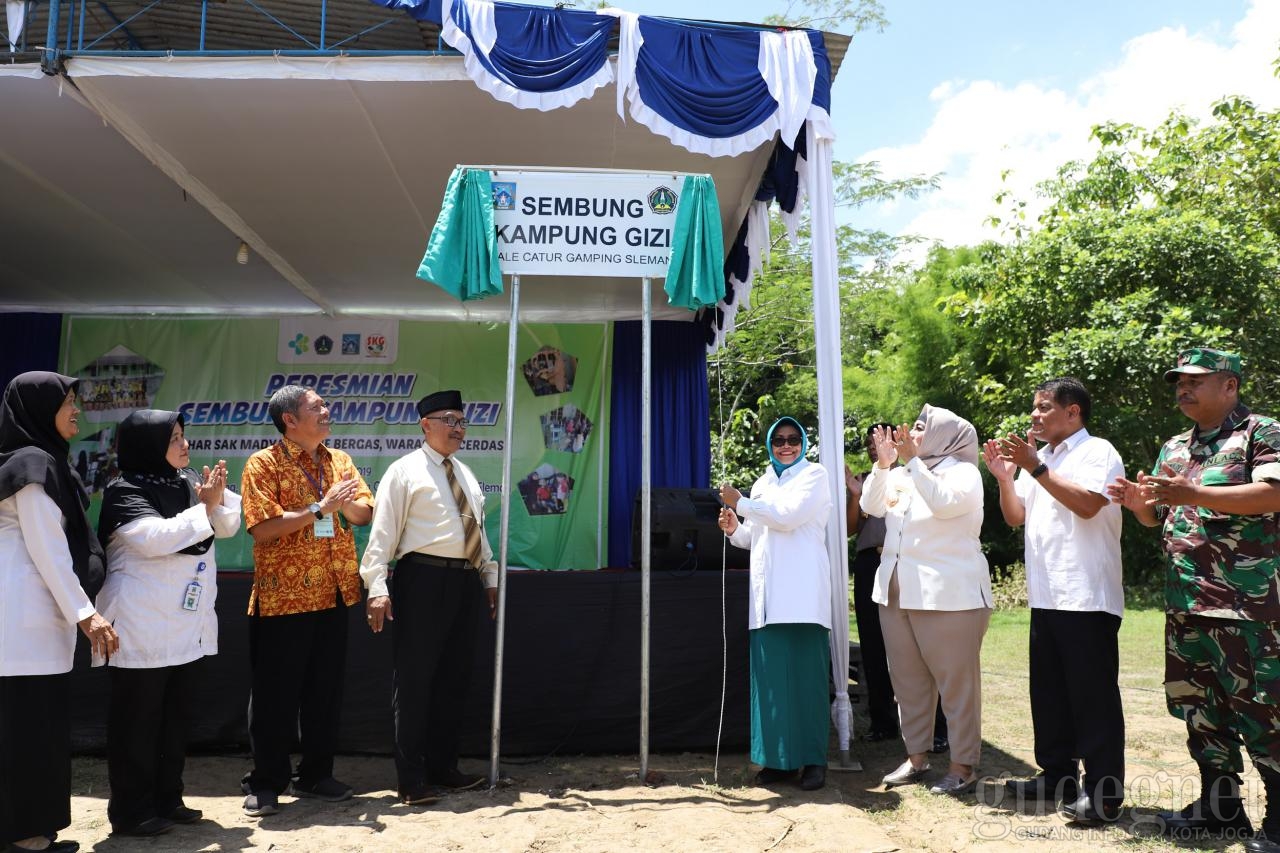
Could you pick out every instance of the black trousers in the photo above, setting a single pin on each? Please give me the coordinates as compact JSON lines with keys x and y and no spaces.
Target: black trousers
{"x":35,"y":755}
{"x":1075,"y":698}
{"x":881,"y":706}
{"x":298,"y":664}
{"x":147,"y":741}
{"x":437,"y":613}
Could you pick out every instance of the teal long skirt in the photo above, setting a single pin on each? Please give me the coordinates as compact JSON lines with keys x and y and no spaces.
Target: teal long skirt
{"x":790,"y":720}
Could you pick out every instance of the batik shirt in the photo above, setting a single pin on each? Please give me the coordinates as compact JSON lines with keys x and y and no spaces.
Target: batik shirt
{"x":299,"y":573}
{"x":1221,"y":564}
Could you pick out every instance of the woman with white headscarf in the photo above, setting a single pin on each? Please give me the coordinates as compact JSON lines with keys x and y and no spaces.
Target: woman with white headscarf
{"x":933,"y":587}
{"x":784,"y":523}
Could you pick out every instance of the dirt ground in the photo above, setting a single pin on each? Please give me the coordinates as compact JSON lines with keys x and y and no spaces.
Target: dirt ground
{"x":597,"y":804}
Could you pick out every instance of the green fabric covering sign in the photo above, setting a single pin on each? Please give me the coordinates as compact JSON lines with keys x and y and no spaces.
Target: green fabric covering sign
{"x":220,"y":374}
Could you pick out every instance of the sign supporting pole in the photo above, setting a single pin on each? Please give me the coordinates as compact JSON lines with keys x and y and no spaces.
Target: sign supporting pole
{"x":495,"y":731}
{"x":646,"y":488}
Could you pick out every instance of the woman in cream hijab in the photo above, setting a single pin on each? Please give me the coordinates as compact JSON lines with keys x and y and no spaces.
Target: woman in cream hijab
{"x":933,"y":587}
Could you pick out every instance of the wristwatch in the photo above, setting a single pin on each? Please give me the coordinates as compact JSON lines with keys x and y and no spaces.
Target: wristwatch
{"x":315,"y":510}
{"x":1039,"y":471}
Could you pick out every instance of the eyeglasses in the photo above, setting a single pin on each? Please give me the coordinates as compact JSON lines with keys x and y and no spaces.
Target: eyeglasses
{"x":449,"y":420}
{"x":779,"y":440}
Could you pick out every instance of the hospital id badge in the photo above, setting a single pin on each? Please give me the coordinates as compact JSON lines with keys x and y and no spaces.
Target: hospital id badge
{"x":323,"y":528}
{"x":191,"y":600}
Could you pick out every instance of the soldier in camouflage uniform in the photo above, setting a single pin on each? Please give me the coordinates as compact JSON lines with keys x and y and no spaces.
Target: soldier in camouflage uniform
{"x":1216,"y":490}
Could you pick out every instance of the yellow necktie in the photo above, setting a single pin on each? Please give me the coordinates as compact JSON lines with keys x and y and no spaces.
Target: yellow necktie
{"x":469,"y":525}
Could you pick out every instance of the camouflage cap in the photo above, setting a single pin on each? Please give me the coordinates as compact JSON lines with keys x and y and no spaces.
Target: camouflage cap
{"x":1204,"y":360}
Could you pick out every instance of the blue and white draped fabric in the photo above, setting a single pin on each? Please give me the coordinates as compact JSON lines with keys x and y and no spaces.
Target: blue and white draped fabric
{"x":532,"y":57}
{"x":721,"y":90}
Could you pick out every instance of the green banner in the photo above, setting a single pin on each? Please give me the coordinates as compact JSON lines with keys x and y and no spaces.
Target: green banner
{"x":220,"y":373}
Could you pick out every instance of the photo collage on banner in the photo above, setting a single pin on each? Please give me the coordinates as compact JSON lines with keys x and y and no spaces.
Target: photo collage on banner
{"x":221,"y":373}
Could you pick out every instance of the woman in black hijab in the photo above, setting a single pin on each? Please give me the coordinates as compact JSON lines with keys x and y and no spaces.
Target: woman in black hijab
{"x":159,"y":519}
{"x":50,"y":567}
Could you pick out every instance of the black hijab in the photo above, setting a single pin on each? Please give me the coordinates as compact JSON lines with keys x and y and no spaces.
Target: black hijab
{"x":148,"y":486}
{"x":32,"y":451}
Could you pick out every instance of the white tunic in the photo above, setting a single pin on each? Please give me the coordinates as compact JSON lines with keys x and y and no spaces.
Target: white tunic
{"x":785,"y":526}
{"x":40,"y":597}
{"x":933,"y":519}
{"x":147,"y":580}
{"x":1073,"y":563}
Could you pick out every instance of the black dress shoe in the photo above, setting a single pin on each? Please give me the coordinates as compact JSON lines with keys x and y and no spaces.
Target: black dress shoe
{"x":54,"y":847}
{"x":145,"y":829}
{"x":877,"y":735}
{"x":1226,"y":814}
{"x":1089,"y":812}
{"x":940,"y":745}
{"x":771,"y":776}
{"x":1041,"y":789}
{"x":813,"y":776}
{"x":1260,"y":843}
{"x":182,"y":814}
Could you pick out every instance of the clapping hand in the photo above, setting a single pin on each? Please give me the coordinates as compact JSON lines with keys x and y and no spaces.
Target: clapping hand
{"x":1000,"y":467}
{"x":339,"y":494}
{"x":1021,"y":452}
{"x":215,"y":483}
{"x":905,"y":443}
{"x":1168,"y":488}
{"x":886,"y":450}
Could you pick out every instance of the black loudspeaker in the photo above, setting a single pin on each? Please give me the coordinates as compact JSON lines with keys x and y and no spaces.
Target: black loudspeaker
{"x":684,"y":532}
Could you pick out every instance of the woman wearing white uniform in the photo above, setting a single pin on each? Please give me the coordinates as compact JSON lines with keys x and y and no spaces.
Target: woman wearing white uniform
{"x":933,"y":587}
{"x":50,"y":566}
{"x":784,"y":524}
{"x":159,"y":519}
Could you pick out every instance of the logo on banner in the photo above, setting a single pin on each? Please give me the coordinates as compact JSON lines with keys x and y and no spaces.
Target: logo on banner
{"x":324,"y":345}
{"x":300,"y":343}
{"x":504,"y":195}
{"x":662,"y":200}
{"x":351,"y":344}
{"x":375,"y":346}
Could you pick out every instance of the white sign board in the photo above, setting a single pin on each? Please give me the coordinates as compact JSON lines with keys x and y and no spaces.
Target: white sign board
{"x":616,"y":224}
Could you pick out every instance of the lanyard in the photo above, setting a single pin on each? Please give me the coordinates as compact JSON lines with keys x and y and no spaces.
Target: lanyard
{"x":319,"y":487}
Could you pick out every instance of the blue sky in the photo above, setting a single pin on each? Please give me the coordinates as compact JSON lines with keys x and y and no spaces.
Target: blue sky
{"x":971,"y":90}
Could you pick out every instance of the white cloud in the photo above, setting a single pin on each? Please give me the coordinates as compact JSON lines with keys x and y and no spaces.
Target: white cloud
{"x":982,"y":129}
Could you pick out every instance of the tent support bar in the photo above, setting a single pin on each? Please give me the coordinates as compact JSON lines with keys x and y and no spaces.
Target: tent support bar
{"x":646,"y":488}
{"x":495,"y":731}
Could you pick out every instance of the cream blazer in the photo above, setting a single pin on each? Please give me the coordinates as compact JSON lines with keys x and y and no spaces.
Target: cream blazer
{"x":932,"y":522}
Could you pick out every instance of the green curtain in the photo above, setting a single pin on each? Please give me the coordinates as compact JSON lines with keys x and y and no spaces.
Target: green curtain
{"x":695,"y":276}
{"x":462,"y":255}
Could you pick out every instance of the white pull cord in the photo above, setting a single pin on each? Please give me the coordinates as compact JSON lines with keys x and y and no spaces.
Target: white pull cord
{"x":724,"y":561}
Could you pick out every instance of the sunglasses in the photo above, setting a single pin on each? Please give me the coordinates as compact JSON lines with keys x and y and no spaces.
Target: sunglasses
{"x":780,"y":440}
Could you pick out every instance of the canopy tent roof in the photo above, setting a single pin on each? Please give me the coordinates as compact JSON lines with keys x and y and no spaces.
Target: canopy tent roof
{"x":129,"y":184}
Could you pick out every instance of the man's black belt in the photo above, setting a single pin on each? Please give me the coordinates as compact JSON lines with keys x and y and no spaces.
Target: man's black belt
{"x":433,"y":560}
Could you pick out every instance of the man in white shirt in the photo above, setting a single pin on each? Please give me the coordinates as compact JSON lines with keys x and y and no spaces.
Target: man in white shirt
{"x":429,"y":518}
{"x":1076,"y":596}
